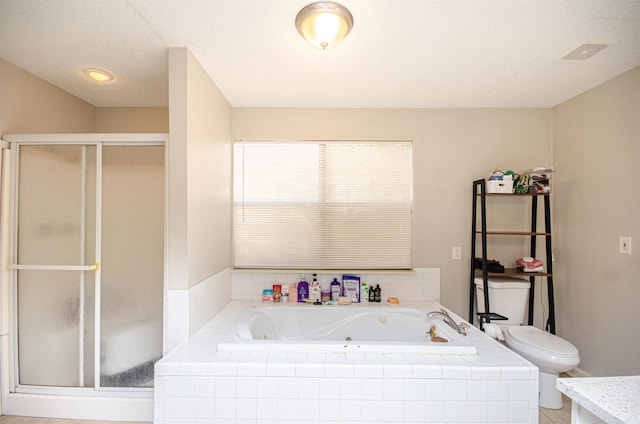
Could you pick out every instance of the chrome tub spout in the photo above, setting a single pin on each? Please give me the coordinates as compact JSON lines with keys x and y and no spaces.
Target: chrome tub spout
{"x":443,"y":315}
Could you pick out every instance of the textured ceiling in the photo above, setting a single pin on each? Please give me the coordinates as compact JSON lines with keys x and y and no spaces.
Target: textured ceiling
{"x":400,"y":53}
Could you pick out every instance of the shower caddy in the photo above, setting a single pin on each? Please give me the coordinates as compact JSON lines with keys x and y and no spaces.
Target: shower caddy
{"x":480,"y":193}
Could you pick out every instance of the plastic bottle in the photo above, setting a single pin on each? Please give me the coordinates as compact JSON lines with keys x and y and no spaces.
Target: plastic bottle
{"x":364,"y":293}
{"x":372,"y":294}
{"x":378,"y":293}
{"x":303,"y":290}
{"x":315,"y":294}
{"x":335,"y":289}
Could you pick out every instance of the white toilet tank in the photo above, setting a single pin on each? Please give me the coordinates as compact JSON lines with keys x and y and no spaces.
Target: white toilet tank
{"x":507,"y":296}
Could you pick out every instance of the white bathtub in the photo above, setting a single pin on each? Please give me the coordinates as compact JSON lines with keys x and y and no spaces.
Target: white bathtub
{"x":341,"y":329}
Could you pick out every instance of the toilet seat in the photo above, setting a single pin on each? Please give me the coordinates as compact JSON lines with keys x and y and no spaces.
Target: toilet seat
{"x":535,"y":338}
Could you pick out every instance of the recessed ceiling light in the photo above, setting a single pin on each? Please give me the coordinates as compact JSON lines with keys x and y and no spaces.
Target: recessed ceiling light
{"x":98,"y":75}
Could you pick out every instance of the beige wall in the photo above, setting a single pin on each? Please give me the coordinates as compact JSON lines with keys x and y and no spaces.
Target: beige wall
{"x":132,"y":120}
{"x":32,"y":105}
{"x":597,"y":152}
{"x":200,"y":174}
{"x":452,"y":148}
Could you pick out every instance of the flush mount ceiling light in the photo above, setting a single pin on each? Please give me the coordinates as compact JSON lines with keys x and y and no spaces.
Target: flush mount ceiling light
{"x":98,"y":75}
{"x":324,"y":24}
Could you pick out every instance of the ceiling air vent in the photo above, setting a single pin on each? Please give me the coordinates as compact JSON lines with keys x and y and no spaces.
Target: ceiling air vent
{"x":584,"y":52}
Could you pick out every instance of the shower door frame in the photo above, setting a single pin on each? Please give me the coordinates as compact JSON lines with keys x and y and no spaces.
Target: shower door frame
{"x":98,"y":141}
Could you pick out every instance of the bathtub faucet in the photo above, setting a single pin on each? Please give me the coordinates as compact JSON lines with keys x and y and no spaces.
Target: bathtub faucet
{"x":444,"y":315}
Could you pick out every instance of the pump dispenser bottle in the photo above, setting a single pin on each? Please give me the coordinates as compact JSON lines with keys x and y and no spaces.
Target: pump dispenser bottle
{"x":303,"y":290}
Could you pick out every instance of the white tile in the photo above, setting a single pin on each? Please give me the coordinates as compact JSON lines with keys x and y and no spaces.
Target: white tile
{"x":205,"y":386}
{"x":167,"y":385}
{"x":519,"y":391}
{"x":371,"y":410}
{"x":203,"y":408}
{"x":456,"y":390}
{"x":516,"y":373}
{"x":329,"y":388}
{"x":182,"y":408}
{"x":267,"y":387}
{"x":267,"y":408}
{"x":339,"y":370}
{"x":413,"y":389}
{"x":288,"y":388}
{"x":281,"y":369}
{"x":351,"y":388}
{"x":225,"y":387}
{"x":397,"y":371}
{"x":309,"y":388}
{"x":246,"y":387}
{"x":435,"y":412}
{"x":309,"y":369}
{"x":287,"y":409}
{"x":518,"y":412}
{"x":246,"y":409}
{"x":368,"y":371}
{"x":477,"y":412}
{"x":308,"y":410}
{"x":392,"y":389}
{"x":392,"y":411}
{"x":350,"y":410}
{"x":413,"y":411}
{"x":224,"y":409}
{"x":193,"y":368}
{"x":372,"y":389}
{"x":183,"y":386}
{"x":477,"y":391}
{"x":435,"y":390}
{"x":498,"y":412}
{"x":255,"y":369}
{"x":222,"y":368}
{"x":456,"y":412}
{"x":486,"y":373}
{"x":329,"y":410}
{"x":497,"y":391}
{"x":427,"y":371}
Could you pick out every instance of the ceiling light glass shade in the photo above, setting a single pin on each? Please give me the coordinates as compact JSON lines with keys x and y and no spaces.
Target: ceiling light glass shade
{"x":324,"y":24}
{"x":98,"y":74}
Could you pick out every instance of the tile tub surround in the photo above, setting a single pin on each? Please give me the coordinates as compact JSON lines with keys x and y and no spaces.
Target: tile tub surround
{"x":611,"y":399}
{"x":195,"y":384}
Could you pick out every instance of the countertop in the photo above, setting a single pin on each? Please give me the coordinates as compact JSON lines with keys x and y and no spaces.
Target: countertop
{"x":612,"y":399}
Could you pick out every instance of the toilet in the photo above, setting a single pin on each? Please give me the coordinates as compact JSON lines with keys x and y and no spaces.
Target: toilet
{"x":550,"y":353}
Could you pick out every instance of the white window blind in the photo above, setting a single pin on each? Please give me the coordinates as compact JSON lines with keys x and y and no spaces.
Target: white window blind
{"x":322,"y":205}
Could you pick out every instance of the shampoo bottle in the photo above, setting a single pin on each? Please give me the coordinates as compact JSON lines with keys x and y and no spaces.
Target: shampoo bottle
{"x":303,"y":290}
{"x":315,"y":293}
{"x":335,"y":289}
{"x":364,"y":293}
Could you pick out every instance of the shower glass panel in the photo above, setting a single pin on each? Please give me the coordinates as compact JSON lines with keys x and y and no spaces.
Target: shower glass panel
{"x":132,"y":264}
{"x":88,"y":281}
{"x":55,"y":213}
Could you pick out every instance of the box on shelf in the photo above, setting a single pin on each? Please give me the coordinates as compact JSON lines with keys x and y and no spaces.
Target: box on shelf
{"x":500,"y":186}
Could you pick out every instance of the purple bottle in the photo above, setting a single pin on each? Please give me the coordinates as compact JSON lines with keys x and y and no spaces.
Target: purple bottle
{"x":303,"y":290}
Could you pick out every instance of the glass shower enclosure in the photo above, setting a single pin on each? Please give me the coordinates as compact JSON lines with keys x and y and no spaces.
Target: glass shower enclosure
{"x":88,"y":263}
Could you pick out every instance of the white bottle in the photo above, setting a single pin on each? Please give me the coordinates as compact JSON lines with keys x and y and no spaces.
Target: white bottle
{"x":364,"y":293}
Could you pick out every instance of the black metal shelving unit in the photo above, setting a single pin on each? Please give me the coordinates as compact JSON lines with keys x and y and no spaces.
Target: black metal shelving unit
{"x":480,"y":194}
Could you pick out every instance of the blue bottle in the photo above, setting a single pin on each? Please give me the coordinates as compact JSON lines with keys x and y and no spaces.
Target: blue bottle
{"x":303,"y":290}
{"x":336,"y":289}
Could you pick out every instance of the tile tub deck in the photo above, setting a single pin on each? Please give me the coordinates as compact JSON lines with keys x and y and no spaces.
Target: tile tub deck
{"x":196,"y":384}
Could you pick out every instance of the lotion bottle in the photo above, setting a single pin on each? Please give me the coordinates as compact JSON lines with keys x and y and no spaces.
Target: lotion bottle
{"x":303,"y":290}
{"x":336,"y":289}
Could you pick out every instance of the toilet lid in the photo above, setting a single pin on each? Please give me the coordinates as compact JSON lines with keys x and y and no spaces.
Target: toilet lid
{"x":542,"y":340}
